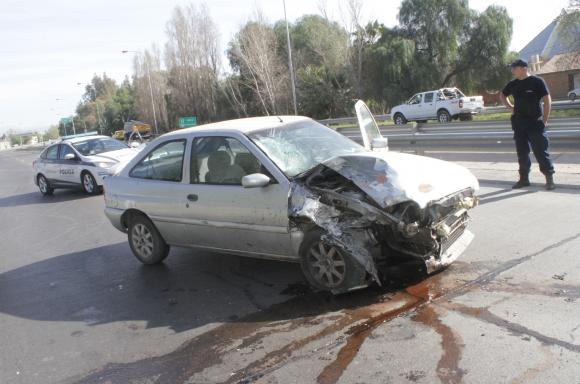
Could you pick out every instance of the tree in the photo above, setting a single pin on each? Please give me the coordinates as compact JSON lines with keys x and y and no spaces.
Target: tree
{"x":192,"y":59}
{"x":261,"y":71}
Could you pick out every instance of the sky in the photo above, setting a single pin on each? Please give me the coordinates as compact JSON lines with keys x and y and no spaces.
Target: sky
{"x":48,"y":46}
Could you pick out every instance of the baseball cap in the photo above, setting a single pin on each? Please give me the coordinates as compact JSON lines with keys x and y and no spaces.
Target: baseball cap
{"x":518,"y":63}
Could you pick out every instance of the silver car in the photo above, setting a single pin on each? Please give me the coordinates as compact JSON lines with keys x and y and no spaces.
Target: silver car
{"x":288,"y":188}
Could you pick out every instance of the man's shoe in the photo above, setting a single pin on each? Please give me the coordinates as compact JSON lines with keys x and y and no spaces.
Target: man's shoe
{"x":521,"y":183}
{"x":550,"y":186}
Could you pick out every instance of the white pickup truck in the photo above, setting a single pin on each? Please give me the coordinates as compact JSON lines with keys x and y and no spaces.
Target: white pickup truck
{"x":444,"y":105}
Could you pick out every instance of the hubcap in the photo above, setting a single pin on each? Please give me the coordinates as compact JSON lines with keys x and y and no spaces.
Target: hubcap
{"x":399,"y":120}
{"x":326,"y":264}
{"x":142,"y":240}
{"x":42,"y":184}
{"x":443,"y":118}
{"x":88,"y":182}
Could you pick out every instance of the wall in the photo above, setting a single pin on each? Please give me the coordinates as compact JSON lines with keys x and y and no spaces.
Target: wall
{"x":558,"y":83}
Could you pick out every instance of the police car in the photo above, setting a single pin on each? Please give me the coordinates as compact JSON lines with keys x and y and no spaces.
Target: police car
{"x":82,"y":160}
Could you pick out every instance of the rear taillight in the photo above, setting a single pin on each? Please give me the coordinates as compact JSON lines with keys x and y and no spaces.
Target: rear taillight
{"x":460,"y":103}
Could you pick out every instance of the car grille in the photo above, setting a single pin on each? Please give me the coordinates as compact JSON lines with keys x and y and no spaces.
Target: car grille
{"x":452,"y":238}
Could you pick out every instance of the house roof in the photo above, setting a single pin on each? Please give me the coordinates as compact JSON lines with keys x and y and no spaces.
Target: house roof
{"x":559,"y":63}
{"x":548,"y":43}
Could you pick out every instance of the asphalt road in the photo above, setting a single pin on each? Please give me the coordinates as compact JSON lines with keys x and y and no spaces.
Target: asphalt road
{"x":76,"y":307}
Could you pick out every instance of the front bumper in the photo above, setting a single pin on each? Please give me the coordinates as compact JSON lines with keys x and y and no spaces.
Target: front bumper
{"x":436,"y":263}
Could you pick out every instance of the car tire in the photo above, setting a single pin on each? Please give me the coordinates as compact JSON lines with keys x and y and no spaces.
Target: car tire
{"x":145,"y":241}
{"x":44,"y":186}
{"x":89,"y":183}
{"x":326,"y":267}
{"x":443,"y":116}
{"x":399,"y":119}
{"x":573,"y":97}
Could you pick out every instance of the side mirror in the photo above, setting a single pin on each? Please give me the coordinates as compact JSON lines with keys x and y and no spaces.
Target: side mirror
{"x":379,"y":142}
{"x":135,"y":144}
{"x":255,"y":180}
{"x":69,"y":156}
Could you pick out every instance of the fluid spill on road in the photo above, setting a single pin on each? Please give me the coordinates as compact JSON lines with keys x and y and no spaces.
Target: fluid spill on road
{"x":448,"y":369}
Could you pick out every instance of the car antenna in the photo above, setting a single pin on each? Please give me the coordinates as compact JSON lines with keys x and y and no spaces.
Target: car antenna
{"x":279,"y":118}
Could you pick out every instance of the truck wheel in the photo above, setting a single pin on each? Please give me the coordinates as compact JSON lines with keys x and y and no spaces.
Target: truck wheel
{"x":145,"y":241}
{"x":572,"y":96}
{"x":44,"y":186}
{"x":399,"y":119}
{"x":327,"y":267}
{"x":443,"y":116}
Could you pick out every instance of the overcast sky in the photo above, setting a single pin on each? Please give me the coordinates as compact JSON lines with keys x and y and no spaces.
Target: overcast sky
{"x":48,"y":46}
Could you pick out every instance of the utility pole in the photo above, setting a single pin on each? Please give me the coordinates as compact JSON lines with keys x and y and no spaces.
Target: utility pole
{"x":290,"y":65}
{"x":150,"y":86}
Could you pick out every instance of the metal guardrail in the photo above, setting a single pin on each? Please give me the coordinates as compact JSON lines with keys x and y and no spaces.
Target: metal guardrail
{"x":560,"y":131}
{"x":557,"y":105}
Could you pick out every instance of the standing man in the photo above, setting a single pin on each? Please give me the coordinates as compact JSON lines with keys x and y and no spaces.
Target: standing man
{"x":529,"y":122}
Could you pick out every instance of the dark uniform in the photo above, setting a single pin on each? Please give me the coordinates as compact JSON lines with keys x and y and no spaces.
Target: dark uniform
{"x":527,"y":124}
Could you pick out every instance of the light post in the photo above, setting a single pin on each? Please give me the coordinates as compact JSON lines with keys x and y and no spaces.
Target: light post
{"x":150,"y":86}
{"x":292,"y":79}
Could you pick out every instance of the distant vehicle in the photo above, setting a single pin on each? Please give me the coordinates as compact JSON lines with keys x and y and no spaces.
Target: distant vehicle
{"x":443,"y":105}
{"x":288,"y":188}
{"x":82,"y":160}
{"x":573,"y":94}
{"x":136,"y":128}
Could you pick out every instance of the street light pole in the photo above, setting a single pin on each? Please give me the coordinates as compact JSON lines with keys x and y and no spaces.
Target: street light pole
{"x":150,"y":87}
{"x":290,"y":65}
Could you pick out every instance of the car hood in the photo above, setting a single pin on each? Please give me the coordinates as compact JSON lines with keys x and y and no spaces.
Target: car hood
{"x":390,"y":177}
{"x":119,"y":156}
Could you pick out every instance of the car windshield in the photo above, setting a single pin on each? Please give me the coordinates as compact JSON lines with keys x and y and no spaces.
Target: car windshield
{"x":300,"y":147}
{"x":98,"y":145}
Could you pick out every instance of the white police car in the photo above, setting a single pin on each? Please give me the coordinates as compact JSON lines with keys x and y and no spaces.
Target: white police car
{"x":81,"y":160}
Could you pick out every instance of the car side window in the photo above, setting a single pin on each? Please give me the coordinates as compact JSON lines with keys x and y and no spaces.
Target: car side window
{"x":222,"y":160}
{"x":415,"y":99}
{"x":65,"y":150}
{"x":164,"y":162}
{"x":52,"y":153}
{"x":428,"y":97}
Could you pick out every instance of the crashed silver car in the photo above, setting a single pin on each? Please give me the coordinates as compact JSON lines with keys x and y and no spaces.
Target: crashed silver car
{"x":288,"y":188}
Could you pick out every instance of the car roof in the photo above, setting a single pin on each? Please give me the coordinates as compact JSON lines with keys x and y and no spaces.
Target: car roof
{"x":83,"y":138}
{"x":246,"y":125}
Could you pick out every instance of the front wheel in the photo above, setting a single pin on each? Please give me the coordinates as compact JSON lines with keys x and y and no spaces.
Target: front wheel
{"x":399,"y":119}
{"x":443,"y":116}
{"x":327,"y":267}
{"x":572,"y":96}
{"x":44,"y":186}
{"x":89,"y":183}
{"x":146,"y":242}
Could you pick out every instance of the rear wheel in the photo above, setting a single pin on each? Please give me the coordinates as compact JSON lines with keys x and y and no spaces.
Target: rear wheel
{"x":145,"y":241}
{"x":443,"y":116}
{"x":89,"y":183}
{"x":399,"y":119}
{"x":327,"y":267}
{"x":44,"y":186}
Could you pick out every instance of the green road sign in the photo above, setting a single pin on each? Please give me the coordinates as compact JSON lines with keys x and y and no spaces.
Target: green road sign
{"x":66,"y":120}
{"x":186,"y":122}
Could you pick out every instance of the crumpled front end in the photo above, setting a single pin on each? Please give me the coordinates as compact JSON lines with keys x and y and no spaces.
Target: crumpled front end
{"x":343,"y":199}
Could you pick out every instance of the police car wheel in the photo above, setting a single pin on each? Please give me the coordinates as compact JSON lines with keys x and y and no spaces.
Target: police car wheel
{"x":146,"y":242}
{"x":89,"y":183}
{"x":44,"y":186}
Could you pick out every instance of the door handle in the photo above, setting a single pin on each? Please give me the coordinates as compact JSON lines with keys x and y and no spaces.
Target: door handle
{"x":192,"y":197}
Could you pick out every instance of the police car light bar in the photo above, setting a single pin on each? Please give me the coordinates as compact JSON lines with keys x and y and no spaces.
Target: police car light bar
{"x":94,"y":133}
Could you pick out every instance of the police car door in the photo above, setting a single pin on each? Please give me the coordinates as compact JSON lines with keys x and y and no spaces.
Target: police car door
{"x":68,"y":164}
{"x":371,"y":135}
